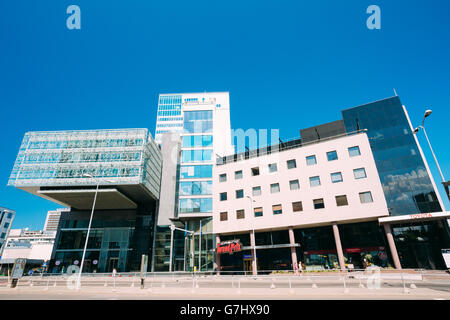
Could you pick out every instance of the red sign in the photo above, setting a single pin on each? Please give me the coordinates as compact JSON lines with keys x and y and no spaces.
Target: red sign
{"x":421,"y":215}
{"x":229,"y":247}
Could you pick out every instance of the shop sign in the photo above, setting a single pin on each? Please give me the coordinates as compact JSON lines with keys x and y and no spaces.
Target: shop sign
{"x":229,"y":247}
{"x":420,"y":216}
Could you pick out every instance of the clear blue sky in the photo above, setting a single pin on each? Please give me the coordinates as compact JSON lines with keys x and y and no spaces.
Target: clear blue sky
{"x":286,"y":64}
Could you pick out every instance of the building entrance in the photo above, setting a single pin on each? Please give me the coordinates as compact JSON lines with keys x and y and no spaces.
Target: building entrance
{"x":112,"y":264}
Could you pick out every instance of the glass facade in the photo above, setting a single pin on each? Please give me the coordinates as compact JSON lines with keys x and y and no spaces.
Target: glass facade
{"x":61,"y":158}
{"x":406,"y":183}
{"x":200,"y":171}
{"x":197,"y":141}
{"x":117,"y":240}
{"x":198,"y":121}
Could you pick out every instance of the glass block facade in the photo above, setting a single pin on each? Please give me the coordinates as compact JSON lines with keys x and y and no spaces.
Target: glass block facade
{"x":61,"y":158}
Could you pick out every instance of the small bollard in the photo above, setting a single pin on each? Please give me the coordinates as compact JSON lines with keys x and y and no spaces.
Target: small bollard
{"x":272,"y":286}
{"x":413,"y":286}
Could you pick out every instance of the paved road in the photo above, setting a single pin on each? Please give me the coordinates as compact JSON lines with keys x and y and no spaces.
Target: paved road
{"x":308,"y":288}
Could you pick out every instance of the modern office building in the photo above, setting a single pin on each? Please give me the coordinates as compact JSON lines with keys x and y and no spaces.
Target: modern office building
{"x":6,"y":219}
{"x":52,"y":219}
{"x":122,"y":166}
{"x":197,"y":126}
{"x":350,"y":193}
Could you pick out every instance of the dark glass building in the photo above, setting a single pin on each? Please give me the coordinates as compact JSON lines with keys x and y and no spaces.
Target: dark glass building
{"x":403,"y":174}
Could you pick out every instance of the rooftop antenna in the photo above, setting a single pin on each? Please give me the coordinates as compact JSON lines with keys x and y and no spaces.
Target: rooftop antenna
{"x":395,"y":92}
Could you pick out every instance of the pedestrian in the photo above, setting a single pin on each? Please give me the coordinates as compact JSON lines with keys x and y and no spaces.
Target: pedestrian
{"x":300,"y":266}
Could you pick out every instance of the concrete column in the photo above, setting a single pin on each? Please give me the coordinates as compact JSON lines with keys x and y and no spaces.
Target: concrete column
{"x":339,"y":250}
{"x":392,"y":247}
{"x":217,"y":255}
{"x":293,"y":252}
{"x":253,"y":244}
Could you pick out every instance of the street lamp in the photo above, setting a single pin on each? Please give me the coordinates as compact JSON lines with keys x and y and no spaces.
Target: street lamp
{"x":416,"y":130}
{"x":254,"y":237}
{"x":86,"y":175}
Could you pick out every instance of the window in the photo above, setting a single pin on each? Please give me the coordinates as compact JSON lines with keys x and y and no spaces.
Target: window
{"x":354,"y":151}
{"x":365,"y":197}
{"x":255,"y":171}
{"x":202,"y":171}
{"x":188,"y":188}
{"x":6,"y":225}
{"x":197,"y":141}
{"x":238,"y":174}
{"x":297,"y":206}
{"x":273,"y":167}
{"x":196,"y":155}
{"x":332,"y":155}
{"x":319,"y":204}
{"x":194,"y":205}
{"x":223,"y":177}
{"x":3,"y":235}
{"x":198,"y":121}
{"x":341,"y":201}
{"x":291,"y":164}
{"x":239,"y":194}
{"x":359,"y":173}
{"x":223,"y":216}
{"x":336,"y":177}
{"x":294,"y":185}
{"x":258,"y":212}
{"x":311,"y":160}
{"x":314,"y":181}
{"x":240,"y":214}
{"x":223,"y":196}
{"x":274,"y":188}
{"x":256,"y":191}
{"x":276,"y":209}
{"x":10,"y":215}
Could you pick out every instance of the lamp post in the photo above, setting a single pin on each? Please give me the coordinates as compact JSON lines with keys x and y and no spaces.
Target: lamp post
{"x":427,"y":113}
{"x":254,"y":236}
{"x":85,"y":175}
{"x":445,"y":183}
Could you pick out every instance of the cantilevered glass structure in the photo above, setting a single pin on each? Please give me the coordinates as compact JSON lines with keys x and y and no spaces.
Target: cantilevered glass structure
{"x":66,"y":167}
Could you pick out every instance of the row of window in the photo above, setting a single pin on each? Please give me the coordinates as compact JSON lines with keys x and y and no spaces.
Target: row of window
{"x":88,"y":143}
{"x":297,"y":206}
{"x":169,"y":125}
{"x":169,"y":113}
{"x":291,"y":164}
{"x":170,"y":119}
{"x":175,"y":99}
{"x":336,"y":177}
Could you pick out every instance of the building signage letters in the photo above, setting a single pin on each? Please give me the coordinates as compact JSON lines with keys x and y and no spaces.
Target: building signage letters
{"x":229,"y":247}
{"x":420,"y":215}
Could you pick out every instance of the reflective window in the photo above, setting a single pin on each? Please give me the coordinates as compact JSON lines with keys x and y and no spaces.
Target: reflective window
{"x":276,"y":209}
{"x":238,"y":174}
{"x":314,"y":181}
{"x":359,"y":173}
{"x":272,"y":167}
{"x":255,"y":171}
{"x":336,"y":177}
{"x":239,"y":194}
{"x":198,"y":121}
{"x":188,"y":188}
{"x":223,"y":177}
{"x":291,"y":164}
{"x":297,"y":206}
{"x":195,"y":205}
{"x":258,"y":212}
{"x":196,"y":155}
{"x":274,"y":188}
{"x":341,"y":200}
{"x":319,"y":204}
{"x":201,"y":171}
{"x":294,"y":185}
{"x":365,"y":197}
{"x":223,"y":196}
{"x":311,"y":160}
{"x":240,"y":214}
{"x":332,"y":155}
{"x":354,"y":151}
{"x":223,"y":216}
{"x":197,"y":141}
{"x":256,"y":191}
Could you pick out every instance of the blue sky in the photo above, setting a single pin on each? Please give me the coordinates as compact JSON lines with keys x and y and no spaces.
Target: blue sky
{"x":286,"y":64}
